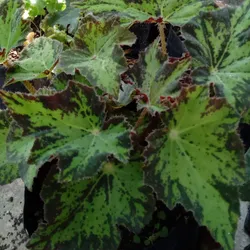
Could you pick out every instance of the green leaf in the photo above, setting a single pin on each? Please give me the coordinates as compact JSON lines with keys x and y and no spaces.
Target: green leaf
{"x":197,"y":160}
{"x":97,"y":54}
{"x":247,"y":156}
{"x":18,"y":152}
{"x":157,"y":77}
{"x":68,"y":19}
{"x":8,"y":171}
{"x":219,"y":44}
{"x":246,"y":116}
{"x":35,"y":60}
{"x":37,"y":7}
{"x":245,"y":188}
{"x":12,"y":29}
{"x":71,"y":125}
{"x":173,"y":11}
{"x":60,"y":81}
{"x":85,"y":214}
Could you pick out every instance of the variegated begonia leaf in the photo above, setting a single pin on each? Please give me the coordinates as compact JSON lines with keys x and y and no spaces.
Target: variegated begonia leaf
{"x":8,"y":170}
{"x":197,"y":160}
{"x":219,"y":43}
{"x":12,"y":29}
{"x":97,"y":54}
{"x":36,"y":60}
{"x":70,"y":124}
{"x":155,"y":76}
{"x":173,"y":11}
{"x":85,"y":214}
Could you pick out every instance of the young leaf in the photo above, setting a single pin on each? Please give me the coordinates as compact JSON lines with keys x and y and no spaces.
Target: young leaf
{"x":35,"y":60}
{"x":173,"y":11}
{"x":96,"y":53}
{"x":198,"y":160}
{"x":71,"y":125}
{"x":156,"y":77}
{"x":219,"y":44}
{"x":85,"y":214}
{"x":8,"y":171}
{"x":12,"y":29}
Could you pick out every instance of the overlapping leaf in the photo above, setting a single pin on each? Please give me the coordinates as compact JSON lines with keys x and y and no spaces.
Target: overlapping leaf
{"x":85,"y":214}
{"x":60,"y":81}
{"x":35,"y":60}
{"x":68,"y":19}
{"x":156,"y":77}
{"x":70,"y":124}
{"x":220,"y":46}
{"x":12,"y":29}
{"x":198,"y":160}
{"x":96,"y":53}
{"x":8,"y":171}
{"x":173,"y":11}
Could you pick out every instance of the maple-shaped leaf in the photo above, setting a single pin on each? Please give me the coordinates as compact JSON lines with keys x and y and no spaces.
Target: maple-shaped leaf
{"x":12,"y":29}
{"x":85,"y":214}
{"x":155,"y":76}
{"x":97,"y":54}
{"x":36,"y":60}
{"x":198,"y":160}
{"x":173,"y":11}
{"x":70,"y":124}
{"x":8,"y":170}
{"x":220,"y":47}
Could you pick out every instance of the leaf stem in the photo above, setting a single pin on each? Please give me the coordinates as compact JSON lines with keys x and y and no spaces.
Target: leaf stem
{"x":29,"y":87}
{"x":161,"y":28}
{"x":141,"y":117}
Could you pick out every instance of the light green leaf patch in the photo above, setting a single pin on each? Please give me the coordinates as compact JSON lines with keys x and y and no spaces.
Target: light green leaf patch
{"x":18,"y":152}
{"x":197,"y":160}
{"x":157,"y":77}
{"x":70,"y":124}
{"x":173,"y":11}
{"x":85,"y":214}
{"x":219,"y":43}
{"x":35,"y":60}
{"x":8,"y":171}
{"x":12,"y":29}
{"x":97,"y":54}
